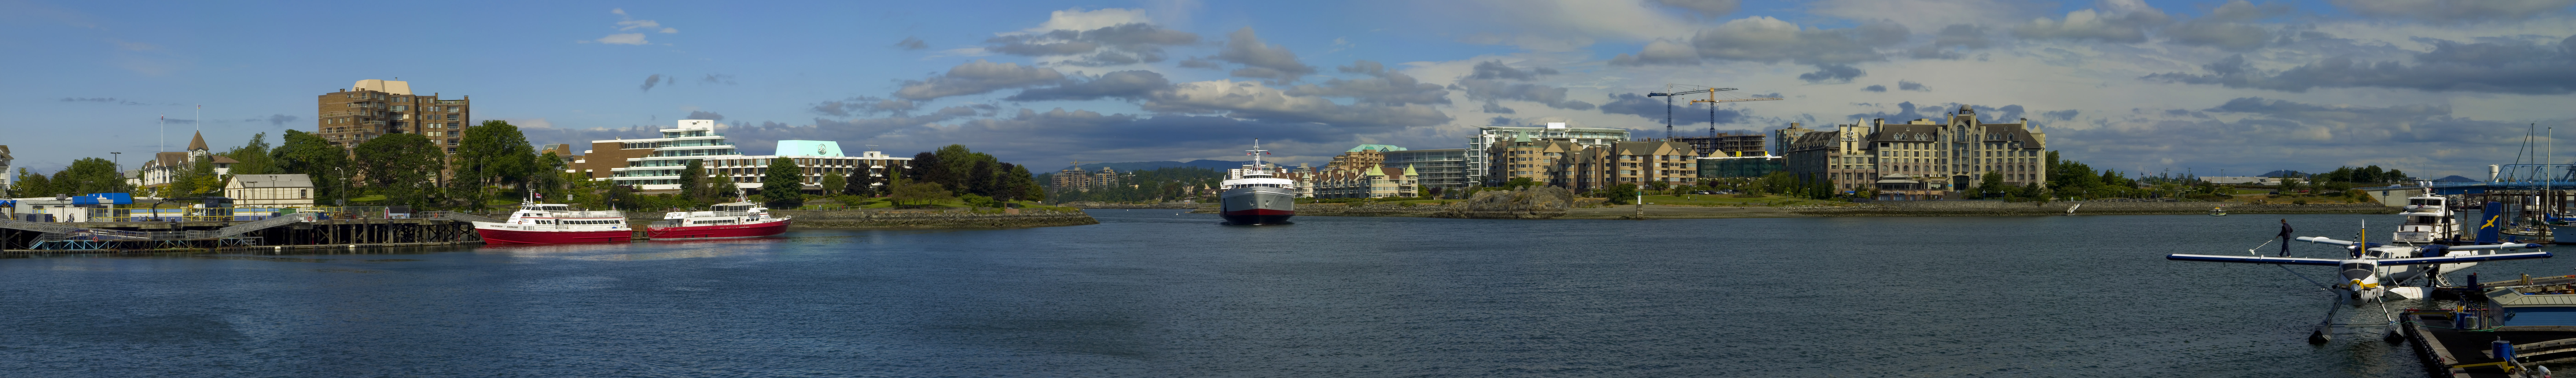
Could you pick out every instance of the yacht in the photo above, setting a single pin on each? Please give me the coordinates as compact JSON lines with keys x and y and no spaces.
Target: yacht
{"x":551,"y":223}
{"x":2428,"y":220}
{"x":722,"y":221}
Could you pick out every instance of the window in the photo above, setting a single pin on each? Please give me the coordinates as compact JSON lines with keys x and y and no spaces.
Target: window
{"x":300,"y":193}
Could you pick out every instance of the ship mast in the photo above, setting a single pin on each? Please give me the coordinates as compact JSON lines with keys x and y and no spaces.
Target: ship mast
{"x":1256,"y":151}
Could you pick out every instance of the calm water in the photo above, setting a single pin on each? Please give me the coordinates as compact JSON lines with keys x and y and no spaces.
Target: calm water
{"x":1149,"y":293}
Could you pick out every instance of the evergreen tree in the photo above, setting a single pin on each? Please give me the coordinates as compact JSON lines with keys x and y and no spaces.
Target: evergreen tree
{"x":784,"y":186}
{"x":690,"y":178}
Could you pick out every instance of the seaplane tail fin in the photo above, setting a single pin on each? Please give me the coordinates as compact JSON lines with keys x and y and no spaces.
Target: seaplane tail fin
{"x":2463,"y":259}
{"x":2493,"y":246}
{"x":2257,"y":259}
{"x":2324,"y":240}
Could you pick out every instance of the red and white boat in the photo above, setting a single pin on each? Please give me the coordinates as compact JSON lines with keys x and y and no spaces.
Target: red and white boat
{"x":722,"y":221}
{"x":549,"y":223}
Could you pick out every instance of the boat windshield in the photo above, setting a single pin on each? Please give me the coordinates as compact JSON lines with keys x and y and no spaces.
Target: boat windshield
{"x":2425,"y":202}
{"x":2423,"y":220}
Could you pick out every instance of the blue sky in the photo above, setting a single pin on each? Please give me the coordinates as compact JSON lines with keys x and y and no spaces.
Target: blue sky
{"x":2433,"y":87}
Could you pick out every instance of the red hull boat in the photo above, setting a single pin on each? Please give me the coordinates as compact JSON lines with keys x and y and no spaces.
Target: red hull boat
{"x":548,"y":223}
{"x":722,"y":221}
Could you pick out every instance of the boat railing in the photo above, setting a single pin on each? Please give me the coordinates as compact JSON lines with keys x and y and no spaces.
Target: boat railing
{"x":594,"y":214}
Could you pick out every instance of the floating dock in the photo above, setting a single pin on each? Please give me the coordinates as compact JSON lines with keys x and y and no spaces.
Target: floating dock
{"x":2460,"y":342}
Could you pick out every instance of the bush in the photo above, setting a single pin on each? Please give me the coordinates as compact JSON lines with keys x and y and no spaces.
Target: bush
{"x":979,"y":201}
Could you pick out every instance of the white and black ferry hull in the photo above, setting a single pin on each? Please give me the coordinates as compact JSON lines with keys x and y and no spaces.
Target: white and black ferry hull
{"x":1257,"y":205}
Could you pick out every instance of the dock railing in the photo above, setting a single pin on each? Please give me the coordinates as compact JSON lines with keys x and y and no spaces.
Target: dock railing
{"x":238,"y":214}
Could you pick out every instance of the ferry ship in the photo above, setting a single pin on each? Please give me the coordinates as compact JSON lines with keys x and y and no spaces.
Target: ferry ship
{"x":722,"y":221}
{"x":1257,"y":197}
{"x":551,"y":223}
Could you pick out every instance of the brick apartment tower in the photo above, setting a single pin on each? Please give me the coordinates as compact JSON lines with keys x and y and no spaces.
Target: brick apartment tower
{"x":372,"y":108}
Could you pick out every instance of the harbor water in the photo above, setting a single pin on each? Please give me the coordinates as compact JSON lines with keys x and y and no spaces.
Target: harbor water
{"x":1151,"y":293}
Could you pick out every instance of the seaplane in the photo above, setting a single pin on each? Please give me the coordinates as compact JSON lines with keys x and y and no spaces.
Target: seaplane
{"x":2372,"y":272}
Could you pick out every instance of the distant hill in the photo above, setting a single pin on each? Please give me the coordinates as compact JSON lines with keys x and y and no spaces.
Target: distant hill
{"x":2455,"y":178}
{"x":1144,"y":165}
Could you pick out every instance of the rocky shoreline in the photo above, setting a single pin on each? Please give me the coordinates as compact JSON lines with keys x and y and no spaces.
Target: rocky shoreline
{"x":912,"y":219}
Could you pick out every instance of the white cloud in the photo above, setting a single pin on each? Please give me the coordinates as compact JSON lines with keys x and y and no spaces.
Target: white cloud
{"x":622,"y":39}
{"x":1078,"y":19}
{"x":2456,"y":10}
{"x":1929,"y":14}
{"x":627,"y":23}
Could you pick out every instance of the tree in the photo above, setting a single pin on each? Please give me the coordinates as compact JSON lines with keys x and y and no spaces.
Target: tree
{"x":1621,"y":194}
{"x":29,"y":184}
{"x":252,"y":157}
{"x":89,"y":175}
{"x":784,"y":186}
{"x":833,"y":183}
{"x":926,"y":167}
{"x":1991,"y":183}
{"x":306,"y":154}
{"x":492,"y":154}
{"x":401,"y":166}
{"x":551,"y":181}
{"x":919,"y":193}
{"x":690,"y":186}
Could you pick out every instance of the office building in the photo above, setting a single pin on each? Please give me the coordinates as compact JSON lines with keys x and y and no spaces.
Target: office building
{"x":371,"y":108}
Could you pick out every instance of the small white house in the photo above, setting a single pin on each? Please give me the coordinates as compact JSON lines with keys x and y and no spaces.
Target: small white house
{"x":270,"y":190}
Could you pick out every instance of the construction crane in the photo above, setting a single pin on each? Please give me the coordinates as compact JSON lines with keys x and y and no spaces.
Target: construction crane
{"x":1669,"y":93}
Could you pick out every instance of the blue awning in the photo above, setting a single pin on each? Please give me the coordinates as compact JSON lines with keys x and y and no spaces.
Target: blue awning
{"x":104,"y":199}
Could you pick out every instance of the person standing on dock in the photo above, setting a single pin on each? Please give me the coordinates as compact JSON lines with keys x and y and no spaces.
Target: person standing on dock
{"x":2285,"y":237}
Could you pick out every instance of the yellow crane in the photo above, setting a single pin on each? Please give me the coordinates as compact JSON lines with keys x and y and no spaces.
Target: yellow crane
{"x":1670,"y":91}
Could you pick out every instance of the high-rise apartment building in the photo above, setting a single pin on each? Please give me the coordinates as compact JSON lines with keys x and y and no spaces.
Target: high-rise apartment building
{"x":1482,"y":164}
{"x":1922,"y":158}
{"x":371,"y":108}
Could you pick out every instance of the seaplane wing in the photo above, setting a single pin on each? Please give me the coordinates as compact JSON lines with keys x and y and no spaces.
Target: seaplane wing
{"x":2493,"y":246}
{"x":2326,"y":240}
{"x":2260,"y":259}
{"x":2462,"y":259}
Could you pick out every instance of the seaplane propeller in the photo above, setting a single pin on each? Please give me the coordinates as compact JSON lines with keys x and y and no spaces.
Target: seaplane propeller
{"x":2372,"y":271}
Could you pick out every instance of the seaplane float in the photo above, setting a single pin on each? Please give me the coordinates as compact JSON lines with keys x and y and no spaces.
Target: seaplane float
{"x":2372,"y":272}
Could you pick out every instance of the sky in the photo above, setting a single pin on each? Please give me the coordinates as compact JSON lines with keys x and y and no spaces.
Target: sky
{"x":2432,"y":87}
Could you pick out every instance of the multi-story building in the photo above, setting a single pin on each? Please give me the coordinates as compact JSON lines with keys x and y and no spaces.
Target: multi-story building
{"x":1726,"y":144}
{"x":1481,"y":164}
{"x":1780,"y":139}
{"x":1361,"y":157}
{"x":1740,"y":166}
{"x":1442,"y":168}
{"x":166,"y":166}
{"x":1587,"y":168}
{"x":1073,"y":178}
{"x":1372,"y":182}
{"x":659,"y":170}
{"x":371,"y":108}
{"x":1922,"y":158}
{"x":1833,"y":156}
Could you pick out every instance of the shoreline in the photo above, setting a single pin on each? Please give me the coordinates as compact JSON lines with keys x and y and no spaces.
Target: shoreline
{"x":1875,"y":209}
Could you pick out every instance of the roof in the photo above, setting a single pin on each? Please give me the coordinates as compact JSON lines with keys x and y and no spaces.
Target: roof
{"x":198,"y":142}
{"x":818,"y":147}
{"x":170,"y":159}
{"x":1907,"y":133}
{"x":1378,"y":147}
{"x":273,"y":181}
{"x":2506,"y":297}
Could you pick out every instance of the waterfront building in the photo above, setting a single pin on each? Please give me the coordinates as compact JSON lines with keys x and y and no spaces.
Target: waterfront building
{"x":1740,"y":166}
{"x":1492,"y":169}
{"x":1584,"y":168}
{"x":166,"y":166}
{"x":1726,"y":144}
{"x":1372,"y":182}
{"x":1934,"y":157}
{"x":1443,"y":168}
{"x":661,"y":161}
{"x":371,"y":108}
{"x":270,"y":190}
{"x":1072,"y":178}
{"x":1780,"y":139}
